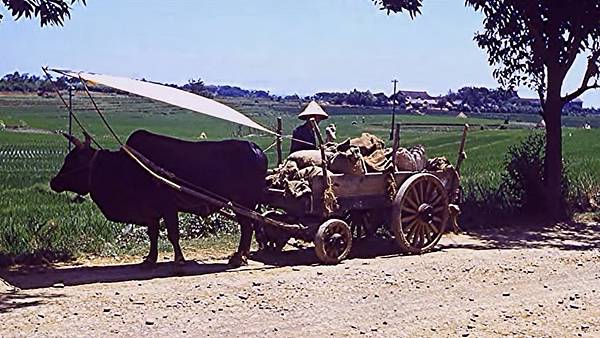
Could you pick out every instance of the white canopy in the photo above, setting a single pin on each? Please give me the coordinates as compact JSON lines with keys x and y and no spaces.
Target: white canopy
{"x":168,"y":95}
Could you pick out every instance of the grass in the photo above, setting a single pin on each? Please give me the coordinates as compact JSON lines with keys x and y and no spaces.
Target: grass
{"x":34,"y":219}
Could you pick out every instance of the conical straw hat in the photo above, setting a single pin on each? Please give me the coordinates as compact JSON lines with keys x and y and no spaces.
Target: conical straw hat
{"x":313,"y":109}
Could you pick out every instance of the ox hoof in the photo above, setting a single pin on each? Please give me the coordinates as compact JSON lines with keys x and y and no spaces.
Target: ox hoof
{"x":237,"y":260}
{"x":179,"y":261}
{"x":148,"y":264}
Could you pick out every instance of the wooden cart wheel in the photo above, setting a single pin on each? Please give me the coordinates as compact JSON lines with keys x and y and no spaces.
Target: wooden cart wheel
{"x":420,"y":213}
{"x":333,"y":241}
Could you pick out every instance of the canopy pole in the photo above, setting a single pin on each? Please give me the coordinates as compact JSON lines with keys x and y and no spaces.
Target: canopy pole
{"x":45,"y":70}
{"x":70,"y":116}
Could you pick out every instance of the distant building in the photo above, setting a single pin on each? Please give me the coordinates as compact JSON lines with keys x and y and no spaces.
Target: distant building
{"x":415,"y":95}
{"x":418,"y":97}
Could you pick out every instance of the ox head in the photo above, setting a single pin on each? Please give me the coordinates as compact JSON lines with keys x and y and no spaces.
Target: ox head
{"x":75,"y":172}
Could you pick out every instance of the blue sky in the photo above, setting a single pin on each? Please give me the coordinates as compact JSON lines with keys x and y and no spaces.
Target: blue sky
{"x":284,"y":46}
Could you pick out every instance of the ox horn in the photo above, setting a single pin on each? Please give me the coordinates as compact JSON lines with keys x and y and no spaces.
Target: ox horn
{"x":72,"y":139}
{"x":88,"y":139}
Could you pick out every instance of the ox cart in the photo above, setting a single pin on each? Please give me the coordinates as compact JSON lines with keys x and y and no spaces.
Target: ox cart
{"x":416,"y":207}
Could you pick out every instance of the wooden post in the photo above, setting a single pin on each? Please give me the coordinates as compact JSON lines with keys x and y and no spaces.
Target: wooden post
{"x":461,"y":151}
{"x":279,"y":131}
{"x":395,"y":82}
{"x":396,"y":144}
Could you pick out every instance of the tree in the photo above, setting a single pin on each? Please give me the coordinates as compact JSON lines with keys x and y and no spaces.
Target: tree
{"x":50,"y":12}
{"x":535,"y":43}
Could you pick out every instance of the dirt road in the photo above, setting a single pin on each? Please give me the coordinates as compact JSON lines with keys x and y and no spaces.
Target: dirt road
{"x":495,"y":284}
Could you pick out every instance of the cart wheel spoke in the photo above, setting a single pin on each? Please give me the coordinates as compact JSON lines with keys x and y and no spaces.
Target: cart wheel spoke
{"x":407,"y":209}
{"x":413,"y":230}
{"x":440,"y":209}
{"x":418,"y":238}
{"x":433,"y":228}
{"x":437,"y":197}
{"x":428,"y":232}
{"x":429,"y":189}
{"x":408,"y":219}
{"x":413,"y":202}
{"x":411,"y":226}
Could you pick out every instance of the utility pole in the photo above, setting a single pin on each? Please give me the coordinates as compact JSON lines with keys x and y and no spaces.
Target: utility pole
{"x":70,"y":116}
{"x":395,"y":82}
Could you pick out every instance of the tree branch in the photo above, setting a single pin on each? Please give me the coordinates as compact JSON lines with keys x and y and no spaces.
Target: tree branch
{"x":573,"y":49}
{"x":591,"y":70}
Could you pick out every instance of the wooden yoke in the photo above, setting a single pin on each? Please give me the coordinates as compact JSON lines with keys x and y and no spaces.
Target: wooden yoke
{"x":461,"y":151}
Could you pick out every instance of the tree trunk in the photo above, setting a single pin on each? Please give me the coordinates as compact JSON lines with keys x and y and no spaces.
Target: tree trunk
{"x":553,"y":161}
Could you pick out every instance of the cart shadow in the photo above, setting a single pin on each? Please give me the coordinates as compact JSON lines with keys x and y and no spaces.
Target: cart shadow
{"x":34,"y":277}
{"x":361,"y":249}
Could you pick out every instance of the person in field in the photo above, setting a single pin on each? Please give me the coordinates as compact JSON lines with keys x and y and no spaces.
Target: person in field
{"x":303,"y":137}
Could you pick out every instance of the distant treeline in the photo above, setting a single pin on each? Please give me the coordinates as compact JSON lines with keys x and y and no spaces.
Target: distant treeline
{"x":466,"y":99}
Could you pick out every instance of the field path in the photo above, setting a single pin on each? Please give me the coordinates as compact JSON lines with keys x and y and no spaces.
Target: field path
{"x":497,"y":283}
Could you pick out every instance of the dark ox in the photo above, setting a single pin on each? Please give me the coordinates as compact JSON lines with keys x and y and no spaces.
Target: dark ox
{"x":126,"y":193}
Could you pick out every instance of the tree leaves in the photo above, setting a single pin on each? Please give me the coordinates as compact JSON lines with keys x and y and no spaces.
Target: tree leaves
{"x":50,"y":12}
{"x":413,"y":7}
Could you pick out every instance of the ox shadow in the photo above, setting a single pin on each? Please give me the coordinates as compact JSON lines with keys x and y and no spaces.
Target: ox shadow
{"x":34,"y":277}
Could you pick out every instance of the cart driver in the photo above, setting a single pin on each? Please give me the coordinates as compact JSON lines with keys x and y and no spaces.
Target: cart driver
{"x":303,"y":137}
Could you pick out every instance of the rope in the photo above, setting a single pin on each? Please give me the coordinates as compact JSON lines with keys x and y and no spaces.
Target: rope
{"x":391,"y":187}
{"x":330,"y":203}
{"x":67,"y":106}
{"x":298,"y":140}
{"x":99,"y":112}
{"x":271,"y":146}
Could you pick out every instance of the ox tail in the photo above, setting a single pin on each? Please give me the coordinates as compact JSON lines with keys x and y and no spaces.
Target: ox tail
{"x":262,"y":164}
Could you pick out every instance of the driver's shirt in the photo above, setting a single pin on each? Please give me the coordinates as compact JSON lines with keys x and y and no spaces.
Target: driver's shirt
{"x":304,"y":133}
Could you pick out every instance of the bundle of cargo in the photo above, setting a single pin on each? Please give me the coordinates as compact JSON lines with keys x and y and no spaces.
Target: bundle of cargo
{"x":357,"y":156}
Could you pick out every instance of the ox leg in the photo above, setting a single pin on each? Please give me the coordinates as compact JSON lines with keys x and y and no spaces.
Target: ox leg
{"x":241,"y":256}
{"x":153,"y":236}
{"x":172,"y":223}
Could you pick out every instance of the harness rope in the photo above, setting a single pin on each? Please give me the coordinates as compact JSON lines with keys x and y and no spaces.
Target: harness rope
{"x":99,"y":112}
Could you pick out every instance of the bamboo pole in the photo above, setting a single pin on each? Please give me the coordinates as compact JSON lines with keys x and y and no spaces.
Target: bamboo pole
{"x":279,"y":150}
{"x":461,"y":150}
